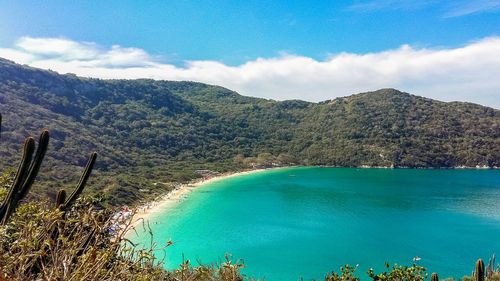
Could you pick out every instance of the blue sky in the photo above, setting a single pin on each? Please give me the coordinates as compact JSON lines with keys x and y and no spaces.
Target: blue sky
{"x":230,"y":35}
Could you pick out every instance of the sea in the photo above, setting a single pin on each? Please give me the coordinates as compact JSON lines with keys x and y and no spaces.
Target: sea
{"x":293,"y":223}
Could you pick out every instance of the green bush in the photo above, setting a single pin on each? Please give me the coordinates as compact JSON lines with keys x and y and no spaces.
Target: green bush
{"x":347,"y":274}
{"x":400,"y":273}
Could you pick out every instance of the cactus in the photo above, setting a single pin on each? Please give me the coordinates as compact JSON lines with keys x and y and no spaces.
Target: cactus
{"x":43,"y":143}
{"x":60,"y":198}
{"x":83,"y":180}
{"x":24,"y":178}
{"x":10,"y":201}
{"x":26,"y":174}
{"x":488,"y":270}
{"x":434,"y":277}
{"x":479,"y":274}
{"x":493,"y":264}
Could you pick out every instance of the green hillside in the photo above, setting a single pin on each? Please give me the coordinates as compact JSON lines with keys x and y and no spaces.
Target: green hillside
{"x":153,"y":133}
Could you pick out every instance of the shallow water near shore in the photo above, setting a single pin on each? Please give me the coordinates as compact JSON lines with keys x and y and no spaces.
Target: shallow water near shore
{"x":305,"y":222}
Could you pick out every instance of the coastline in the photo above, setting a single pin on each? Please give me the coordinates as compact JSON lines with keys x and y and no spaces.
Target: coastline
{"x":144,"y":212}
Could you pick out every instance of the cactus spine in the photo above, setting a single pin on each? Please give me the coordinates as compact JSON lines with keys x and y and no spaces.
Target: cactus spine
{"x":434,"y":277}
{"x":479,"y":274}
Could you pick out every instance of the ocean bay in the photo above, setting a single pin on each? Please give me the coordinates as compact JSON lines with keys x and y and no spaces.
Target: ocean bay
{"x":305,"y":222}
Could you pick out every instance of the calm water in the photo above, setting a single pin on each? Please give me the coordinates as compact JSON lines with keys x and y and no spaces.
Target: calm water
{"x":304,"y":222}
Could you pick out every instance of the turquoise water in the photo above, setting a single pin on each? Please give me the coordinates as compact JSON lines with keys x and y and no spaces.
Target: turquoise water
{"x":304,"y":222}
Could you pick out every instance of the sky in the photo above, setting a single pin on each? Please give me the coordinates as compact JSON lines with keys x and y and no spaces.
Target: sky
{"x":309,"y":50}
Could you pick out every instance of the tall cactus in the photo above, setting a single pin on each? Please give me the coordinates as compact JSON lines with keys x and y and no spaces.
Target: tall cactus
{"x":12,"y":197}
{"x":489,"y":271}
{"x":434,"y":277}
{"x":83,"y":180}
{"x":479,"y":274}
{"x":25,"y":175}
{"x":43,"y":143}
{"x":493,"y":264}
{"x":27,"y":172}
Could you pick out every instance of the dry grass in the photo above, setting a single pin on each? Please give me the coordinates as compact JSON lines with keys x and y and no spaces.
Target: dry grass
{"x":41,"y":242}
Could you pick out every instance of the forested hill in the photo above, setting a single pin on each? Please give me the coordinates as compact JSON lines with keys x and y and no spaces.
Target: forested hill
{"x":149,"y":132}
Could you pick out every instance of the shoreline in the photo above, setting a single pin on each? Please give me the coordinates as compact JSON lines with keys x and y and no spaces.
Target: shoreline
{"x":144,"y":212}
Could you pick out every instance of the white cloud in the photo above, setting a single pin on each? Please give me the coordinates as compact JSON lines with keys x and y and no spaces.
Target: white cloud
{"x":56,"y":47}
{"x":469,"y":73}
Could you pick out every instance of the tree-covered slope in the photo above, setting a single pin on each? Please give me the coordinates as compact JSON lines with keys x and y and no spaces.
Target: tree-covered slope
{"x":151,"y":132}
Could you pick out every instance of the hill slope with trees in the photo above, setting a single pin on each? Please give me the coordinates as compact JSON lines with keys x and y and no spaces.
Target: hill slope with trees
{"x":153,"y":133}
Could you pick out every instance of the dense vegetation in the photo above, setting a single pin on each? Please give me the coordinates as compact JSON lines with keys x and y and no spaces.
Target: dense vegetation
{"x":79,"y":240}
{"x":150,"y":134}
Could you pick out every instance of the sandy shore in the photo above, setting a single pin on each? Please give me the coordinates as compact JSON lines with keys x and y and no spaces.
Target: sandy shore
{"x":144,"y":212}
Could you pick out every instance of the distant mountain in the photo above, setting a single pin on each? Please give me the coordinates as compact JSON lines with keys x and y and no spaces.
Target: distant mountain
{"x":149,"y":133}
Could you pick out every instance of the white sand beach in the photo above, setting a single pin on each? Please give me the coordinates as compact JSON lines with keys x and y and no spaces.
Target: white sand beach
{"x":143,"y":213}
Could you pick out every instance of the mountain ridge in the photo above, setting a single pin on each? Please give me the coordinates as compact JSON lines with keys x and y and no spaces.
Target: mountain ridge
{"x":150,"y":131}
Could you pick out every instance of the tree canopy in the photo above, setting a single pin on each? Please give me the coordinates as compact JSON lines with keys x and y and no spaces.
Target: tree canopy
{"x":150,"y":134}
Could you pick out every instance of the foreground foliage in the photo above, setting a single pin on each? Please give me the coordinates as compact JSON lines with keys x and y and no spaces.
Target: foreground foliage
{"x":41,"y":242}
{"x":415,"y":273}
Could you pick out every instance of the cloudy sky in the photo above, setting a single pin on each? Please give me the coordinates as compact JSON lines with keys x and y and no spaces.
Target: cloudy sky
{"x":310,"y":50}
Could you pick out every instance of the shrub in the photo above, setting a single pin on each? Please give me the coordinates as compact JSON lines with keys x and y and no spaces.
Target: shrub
{"x":400,"y":273}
